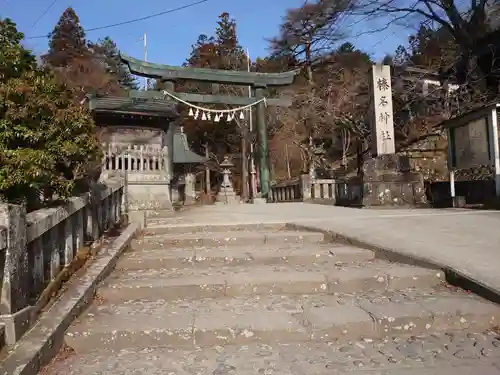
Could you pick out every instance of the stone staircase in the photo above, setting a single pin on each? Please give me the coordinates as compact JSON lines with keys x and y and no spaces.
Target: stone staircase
{"x":260,"y":299}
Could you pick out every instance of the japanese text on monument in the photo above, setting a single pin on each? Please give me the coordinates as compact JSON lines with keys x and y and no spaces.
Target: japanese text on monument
{"x":383,"y":124}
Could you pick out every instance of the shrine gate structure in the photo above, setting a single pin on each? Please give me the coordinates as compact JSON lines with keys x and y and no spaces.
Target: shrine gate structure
{"x":169,"y":76}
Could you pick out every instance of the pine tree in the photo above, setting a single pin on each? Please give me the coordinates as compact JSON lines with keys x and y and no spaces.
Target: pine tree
{"x":67,"y":40}
{"x":110,"y":54}
{"x":202,"y":52}
{"x":346,"y":47}
{"x":230,"y":53}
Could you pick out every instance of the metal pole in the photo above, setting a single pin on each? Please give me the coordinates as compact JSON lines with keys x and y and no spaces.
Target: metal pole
{"x":253,"y":180}
{"x":287,"y":162}
{"x":145,"y":59}
{"x":495,"y":152}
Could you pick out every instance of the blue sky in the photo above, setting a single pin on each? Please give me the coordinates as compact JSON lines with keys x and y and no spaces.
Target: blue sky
{"x":170,"y":36}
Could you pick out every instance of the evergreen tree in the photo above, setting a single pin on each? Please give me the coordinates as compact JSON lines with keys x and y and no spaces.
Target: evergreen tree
{"x":346,"y":47}
{"x":202,"y":53}
{"x":67,"y":40}
{"x":109,"y":52}
{"x":230,"y":53}
{"x":47,"y":143}
{"x":14,"y":58}
{"x":220,"y":51}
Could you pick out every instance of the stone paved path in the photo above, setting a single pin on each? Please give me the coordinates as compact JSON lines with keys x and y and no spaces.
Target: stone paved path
{"x":262,"y":300}
{"x":447,"y":237}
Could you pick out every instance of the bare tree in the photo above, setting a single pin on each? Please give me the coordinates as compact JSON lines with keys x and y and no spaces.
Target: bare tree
{"x":466,"y":23}
{"x":310,"y":31}
{"x":335,"y":108}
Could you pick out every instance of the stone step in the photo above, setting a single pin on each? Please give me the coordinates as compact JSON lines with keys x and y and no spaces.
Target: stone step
{"x":271,"y":319}
{"x":436,"y":355}
{"x":192,"y":228}
{"x":293,"y":254}
{"x":157,"y":241}
{"x":217,"y":282}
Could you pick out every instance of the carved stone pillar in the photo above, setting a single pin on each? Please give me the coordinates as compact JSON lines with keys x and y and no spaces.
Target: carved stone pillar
{"x":14,"y":302}
{"x":190,"y":188}
{"x":305,"y":186}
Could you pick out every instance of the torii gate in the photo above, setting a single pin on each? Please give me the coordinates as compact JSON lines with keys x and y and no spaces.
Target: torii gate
{"x":169,"y":75}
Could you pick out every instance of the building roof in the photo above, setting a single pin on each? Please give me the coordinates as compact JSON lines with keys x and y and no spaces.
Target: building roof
{"x":133,"y":106}
{"x":468,"y":117}
{"x":182,"y":152}
{"x":175,"y":73}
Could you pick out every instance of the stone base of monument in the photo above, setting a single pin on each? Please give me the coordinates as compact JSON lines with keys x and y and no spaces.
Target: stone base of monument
{"x":227,"y":195}
{"x":389,"y":181}
{"x":458,"y":202}
{"x":259,"y":201}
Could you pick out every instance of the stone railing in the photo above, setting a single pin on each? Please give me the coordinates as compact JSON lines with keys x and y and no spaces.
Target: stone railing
{"x":141,"y":162}
{"x":148,"y":170}
{"x":289,"y":191}
{"x":304,"y":189}
{"x":35,"y":247}
{"x":349,"y":192}
{"x":323,"y":190}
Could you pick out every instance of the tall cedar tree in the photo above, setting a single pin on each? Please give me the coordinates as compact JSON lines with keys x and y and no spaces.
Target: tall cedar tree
{"x":67,"y":41}
{"x":220,"y":51}
{"x":47,"y":143}
{"x":230,"y":53}
{"x":114,"y":66}
{"x":74,"y":63}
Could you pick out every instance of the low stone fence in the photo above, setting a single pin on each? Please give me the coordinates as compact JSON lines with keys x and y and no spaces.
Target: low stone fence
{"x":35,"y":247}
{"x":324,"y":190}
{"x":349,"y":193}
{"x":288,"y":191}
{"x":304,"y":189}
{"x":136,"y":159}
{"x":148,"y":169}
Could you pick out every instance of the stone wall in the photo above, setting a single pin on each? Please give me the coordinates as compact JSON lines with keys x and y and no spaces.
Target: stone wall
{"x":429,"y":157}
{"x":36,"y":246}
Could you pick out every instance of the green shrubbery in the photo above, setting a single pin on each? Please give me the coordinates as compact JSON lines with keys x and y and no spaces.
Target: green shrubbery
{"x":47,"y":140}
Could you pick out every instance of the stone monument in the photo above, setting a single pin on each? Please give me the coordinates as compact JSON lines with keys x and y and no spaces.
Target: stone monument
{"x":226,"y":193}
{"x":382,"y":121}
{"x":387,"y":178}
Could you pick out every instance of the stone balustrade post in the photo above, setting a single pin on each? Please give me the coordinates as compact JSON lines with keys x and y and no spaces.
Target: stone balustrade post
{"x":333,"y":192}
{"x":38,"y":264}
{"x":69,"y":239}
{"x":305,"y":185}
{"x":100,"y":217}
{"x":190,"y":188}
{"x":316,"y":188}
{"x":55,"y":253}
{"x":105,"y":213}
{"x":79,"y":223}
{"x":115,"y":202}
{"x":14,"y":300}
{"x":93,"y":217}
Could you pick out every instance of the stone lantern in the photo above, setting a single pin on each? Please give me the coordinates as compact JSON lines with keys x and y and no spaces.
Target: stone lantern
{"x":226,"y":193}
{"x":318,"y":151}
